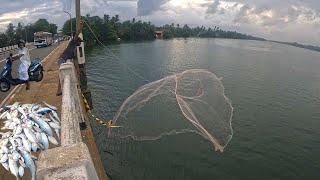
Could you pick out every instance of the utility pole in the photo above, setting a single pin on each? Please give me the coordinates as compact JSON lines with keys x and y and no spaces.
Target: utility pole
{"x":78,"y":14}
{"x":80,"y":49}
{"x":81,"y":59}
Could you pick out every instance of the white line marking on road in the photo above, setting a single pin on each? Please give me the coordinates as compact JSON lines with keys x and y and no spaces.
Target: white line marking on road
{"x":9,"y":95}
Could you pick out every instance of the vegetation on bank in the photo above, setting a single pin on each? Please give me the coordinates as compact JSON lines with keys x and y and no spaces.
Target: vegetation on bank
{"x":21,"y":31}
{"x":108,"y":29}
{"x":173,"y":31}
{"x":313,"y":48}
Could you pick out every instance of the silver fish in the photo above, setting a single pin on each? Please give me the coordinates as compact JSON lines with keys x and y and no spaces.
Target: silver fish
{"x":13,"y":167}
{"x":29,"y":163}
{"x":14,"y":105}
{"x":57,"y":131}
{"x":26,"y":144}
{"x":54,"y":125}
{"x":19,"y":141}
{"x":4,"y":158}
{"x":37,"y":128}
{"x":21,"y":171}
{"x":5,"y":149}
{"x":18,"y":130}
{"x":21,"y":162}
{"x":44,"y":110}
{"x":43,"y":125}
{"x":31,"y":137}
{"x":8,"y":116}
{"x":3,"y":114}
{"x":15,"y":156}
{"x":55,"y":115}
{"x":5,"y":165}
{"x":53,"y":140}
{"x":53,"y":119}
{"x":44,"y":140}
{"x":38,"y":136}
{"x":34,"y":147}
{"x":20,"y":109}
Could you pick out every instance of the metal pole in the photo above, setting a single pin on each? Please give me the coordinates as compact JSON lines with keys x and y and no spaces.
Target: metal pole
{"x":78,"y":15}
{"x":81,"y":58}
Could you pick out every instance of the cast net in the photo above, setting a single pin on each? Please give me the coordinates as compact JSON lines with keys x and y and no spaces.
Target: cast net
{"x":192,"y":101}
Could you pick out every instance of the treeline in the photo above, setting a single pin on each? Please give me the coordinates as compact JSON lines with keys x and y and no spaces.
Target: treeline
{"x":172,"y":31}
{"x":20,"y":31}
{"x":310,"y":47}
{"x":109,"y":29}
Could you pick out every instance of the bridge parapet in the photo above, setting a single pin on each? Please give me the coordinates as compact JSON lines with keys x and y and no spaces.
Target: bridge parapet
{"x":72,"y":160}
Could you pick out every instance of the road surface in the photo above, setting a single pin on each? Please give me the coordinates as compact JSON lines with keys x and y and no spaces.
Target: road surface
{"x":34,"y":53}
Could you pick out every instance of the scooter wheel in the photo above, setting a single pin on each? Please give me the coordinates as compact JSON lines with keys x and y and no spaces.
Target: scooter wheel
{"x":4,"y":86}
{"x":40,"y":77}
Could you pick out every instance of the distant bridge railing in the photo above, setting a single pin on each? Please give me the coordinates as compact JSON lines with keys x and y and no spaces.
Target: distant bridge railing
{"x":8,"y":48}
{"x":5,"y":51}
{"x":72,"y":160}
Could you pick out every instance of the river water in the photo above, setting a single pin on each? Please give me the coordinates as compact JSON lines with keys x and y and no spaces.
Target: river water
{"x":274,"y":89}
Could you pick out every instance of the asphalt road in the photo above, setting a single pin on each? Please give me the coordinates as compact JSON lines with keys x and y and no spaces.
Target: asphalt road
{"x":34,"y":53}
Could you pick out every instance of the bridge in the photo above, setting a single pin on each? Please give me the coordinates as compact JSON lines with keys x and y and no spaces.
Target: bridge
{"x":77,"y":156}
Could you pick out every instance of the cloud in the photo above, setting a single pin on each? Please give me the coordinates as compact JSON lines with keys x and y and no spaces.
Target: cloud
{"x":146,"y":7}
{"x":213,"y":8}
{"x":266,"y":16}
{"x":287,"y":20}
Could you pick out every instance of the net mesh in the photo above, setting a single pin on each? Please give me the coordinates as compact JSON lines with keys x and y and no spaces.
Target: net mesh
{"x":191,"y":101}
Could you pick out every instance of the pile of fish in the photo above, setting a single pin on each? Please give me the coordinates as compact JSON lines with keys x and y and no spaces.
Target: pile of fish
{"x":27,"y":128}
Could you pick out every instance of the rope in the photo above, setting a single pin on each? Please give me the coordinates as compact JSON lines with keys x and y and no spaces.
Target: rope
{"x":99,"y":121}
{"x":114,"y":56}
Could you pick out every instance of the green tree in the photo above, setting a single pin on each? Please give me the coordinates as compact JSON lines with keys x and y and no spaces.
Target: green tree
{"x":41,"y":25}
{"x":20,"y":32}
{"x":10,"y":32}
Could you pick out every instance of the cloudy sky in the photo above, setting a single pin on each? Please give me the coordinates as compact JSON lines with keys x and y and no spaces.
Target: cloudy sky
{"x":286,"y":20}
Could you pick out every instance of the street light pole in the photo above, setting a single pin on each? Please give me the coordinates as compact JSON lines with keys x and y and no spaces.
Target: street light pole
{"x":70,"y":22}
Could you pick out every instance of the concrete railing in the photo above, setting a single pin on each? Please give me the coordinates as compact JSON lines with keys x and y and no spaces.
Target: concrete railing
{"x":71,"y":109}
{"x":72,"y":160}
{"x":8,"y":48}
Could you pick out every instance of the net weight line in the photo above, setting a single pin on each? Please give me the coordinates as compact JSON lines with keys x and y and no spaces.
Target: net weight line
{"x":106,"y":123}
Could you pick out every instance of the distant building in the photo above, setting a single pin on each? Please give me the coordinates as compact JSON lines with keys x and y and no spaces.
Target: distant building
{"x":159,"y":34}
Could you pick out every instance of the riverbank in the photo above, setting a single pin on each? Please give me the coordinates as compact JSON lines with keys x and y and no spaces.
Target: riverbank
{"x":46,"y":91}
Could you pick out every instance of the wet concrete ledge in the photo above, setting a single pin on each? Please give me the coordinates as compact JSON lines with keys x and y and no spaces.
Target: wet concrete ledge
{"x":78,"y":160}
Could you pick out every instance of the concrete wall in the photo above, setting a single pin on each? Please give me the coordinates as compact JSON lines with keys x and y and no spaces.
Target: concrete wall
{"x":72,"y":159}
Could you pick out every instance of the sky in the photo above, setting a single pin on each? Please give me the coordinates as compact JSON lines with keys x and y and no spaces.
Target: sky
{"x":284,"y":20}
